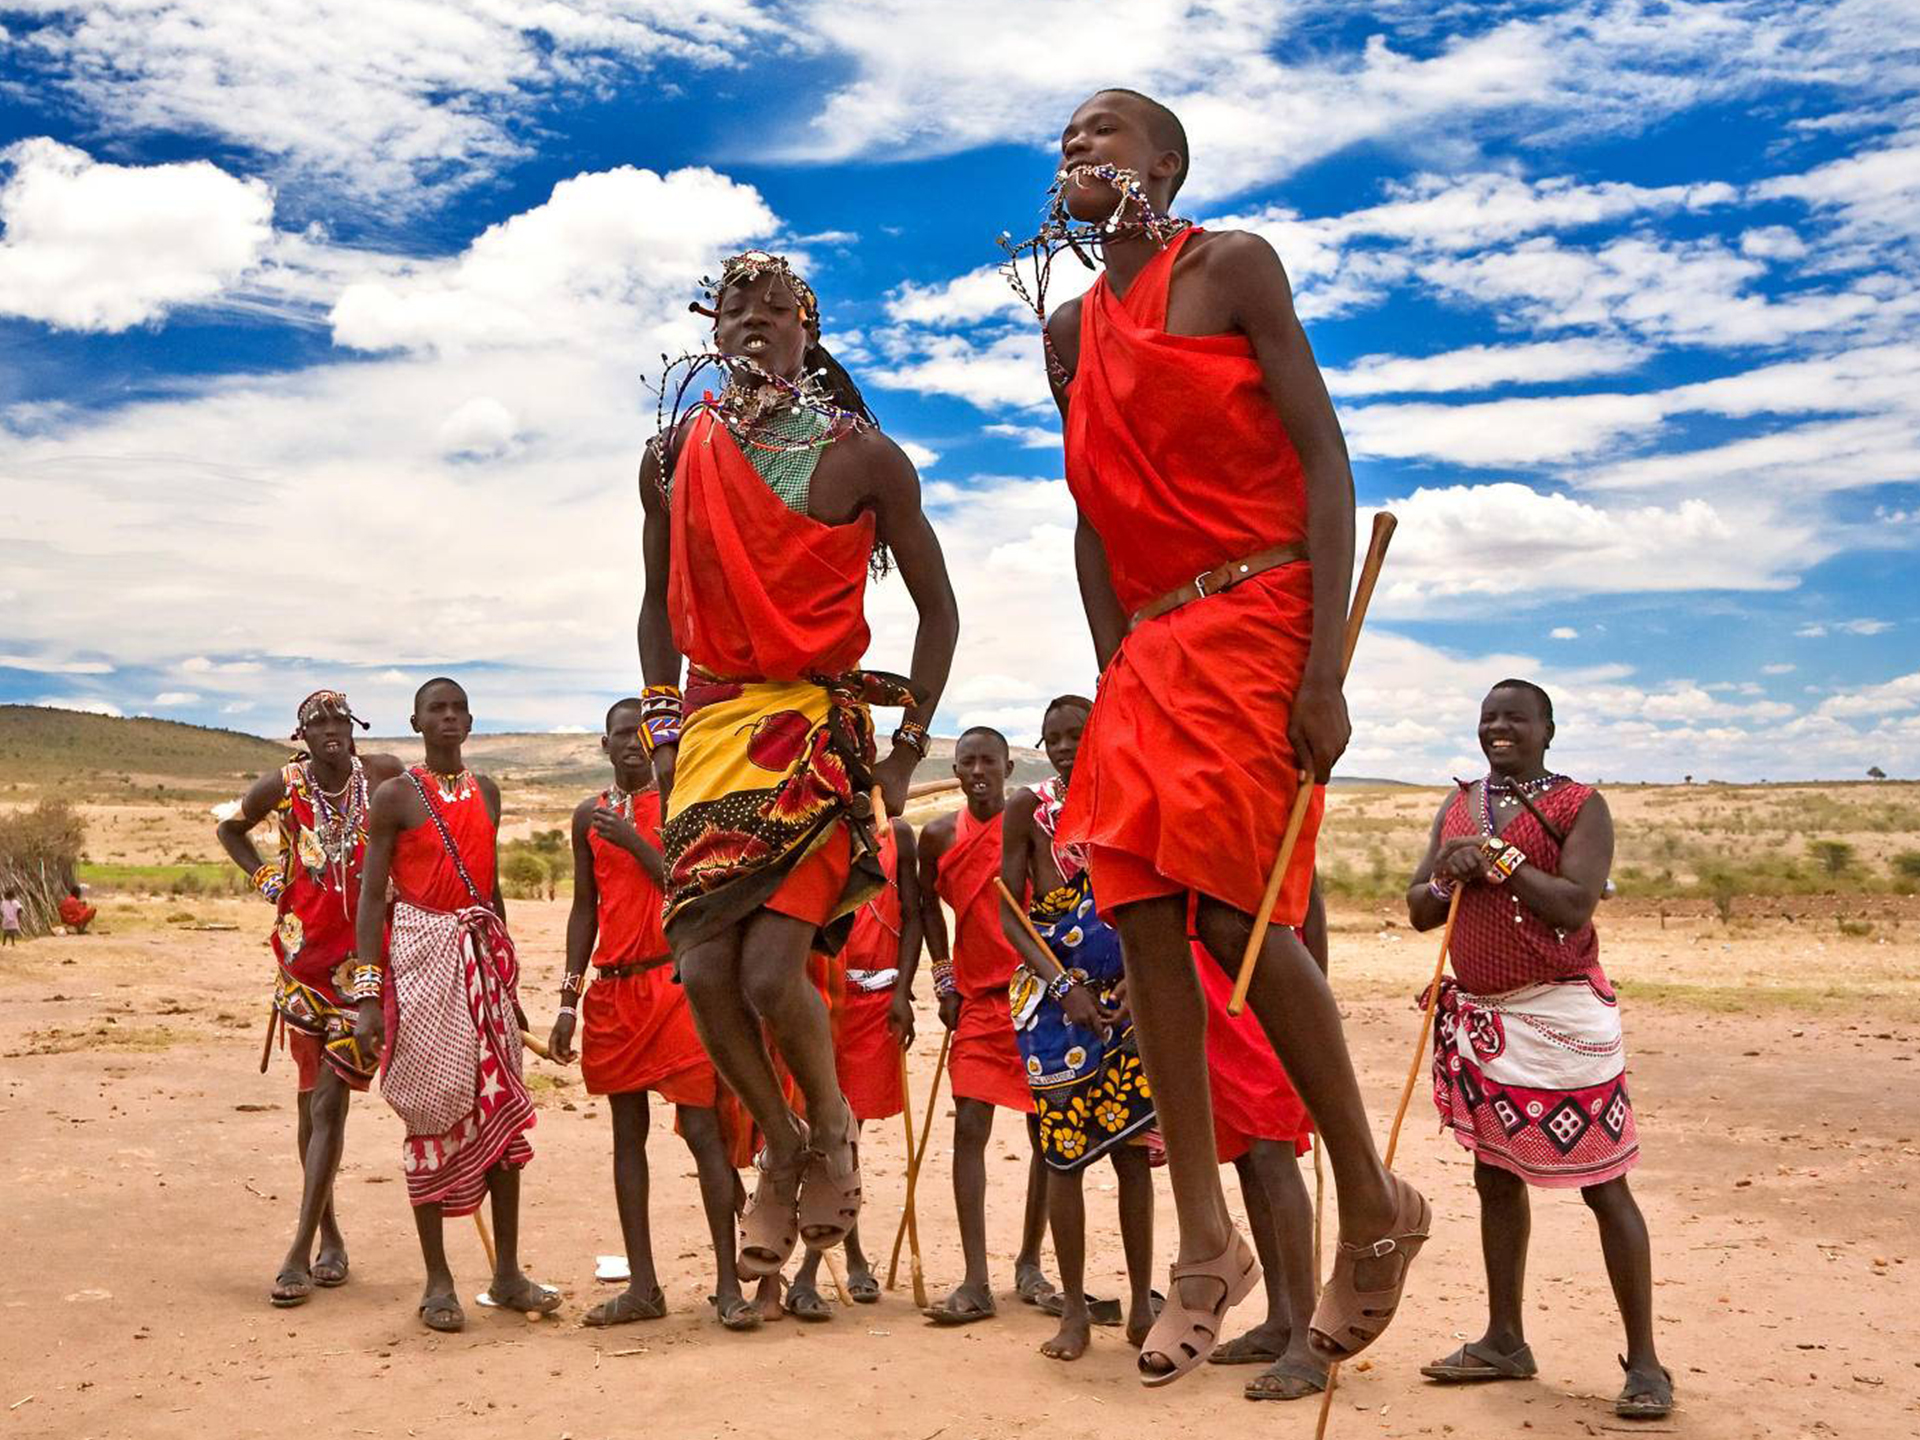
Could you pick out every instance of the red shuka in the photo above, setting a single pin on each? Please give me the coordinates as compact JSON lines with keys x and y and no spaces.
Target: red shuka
{"x":984,"y":1063}
{"x":757,"y":591}
{"x":1177,"y":459}
{"x":1498,"y":943}
{"x":637,"y":1031}
{"x":866,"y":1051}
{"x":1252,"y":1097}
{"x":422,"y":874}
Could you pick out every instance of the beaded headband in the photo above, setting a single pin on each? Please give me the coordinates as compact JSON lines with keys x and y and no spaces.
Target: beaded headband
{"x":751,"y":265}
{"x":324,"y":705}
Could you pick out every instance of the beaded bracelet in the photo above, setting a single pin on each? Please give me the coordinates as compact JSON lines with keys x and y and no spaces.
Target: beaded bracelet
{"x":943,"y":978}
{"x":570,"y":1011}
{"x":662,"y":710}
{"x":365,"y":984}
{"x":268,"y":880}
{"x":1440,"y":889}
{"x":1061,"y":984}
{"x":1503,"y":859}
{"x":573,"y":982}
{"x":913,"y":735}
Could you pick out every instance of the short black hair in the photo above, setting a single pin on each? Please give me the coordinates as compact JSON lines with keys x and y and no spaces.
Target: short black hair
{"x":1546,"y":700}
{"x":1165,"y":129}
{"x":1005,"y":747}
{"x":438,"y":680}
{"x":1062,"y":702}
{"x":618,"y":706}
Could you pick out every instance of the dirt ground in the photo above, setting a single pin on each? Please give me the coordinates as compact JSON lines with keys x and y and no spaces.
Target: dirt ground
{"x":151,"y":1183}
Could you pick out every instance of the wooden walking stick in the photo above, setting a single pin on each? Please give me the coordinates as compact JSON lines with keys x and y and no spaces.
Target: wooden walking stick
{"x":1383,"y":525}
{"x":919,"y":1155}
{"x":266,"y":1049}
{"x":911,"y":1218}
{"x":1400,"y":1113}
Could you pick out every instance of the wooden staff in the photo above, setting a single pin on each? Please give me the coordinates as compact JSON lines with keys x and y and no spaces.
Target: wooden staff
{"x":1400,"y":1112}
{"x":535,"y":1044}
{"x":911,"y":1218}
{"x":266,"y":1048}
{"x":1383,"y":526}
{"x":919,"y":1155}
{"x":932,"y":787}
{"x":486,"y":1242}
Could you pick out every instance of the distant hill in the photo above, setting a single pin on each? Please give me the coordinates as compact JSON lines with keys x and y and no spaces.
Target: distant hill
{"x":93,"y":755}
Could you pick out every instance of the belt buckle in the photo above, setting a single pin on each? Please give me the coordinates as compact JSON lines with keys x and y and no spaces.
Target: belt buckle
{"x":1200,"y":591}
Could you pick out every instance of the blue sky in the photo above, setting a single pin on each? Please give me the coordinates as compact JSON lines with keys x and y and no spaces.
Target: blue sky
{"x":326,"y":327}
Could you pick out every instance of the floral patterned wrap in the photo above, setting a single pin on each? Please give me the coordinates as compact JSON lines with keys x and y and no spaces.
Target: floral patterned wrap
{"x":1090,"y":1091}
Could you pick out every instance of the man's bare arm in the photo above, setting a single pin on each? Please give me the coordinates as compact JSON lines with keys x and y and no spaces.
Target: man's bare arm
{"x":1262,"y":303}
{"x":902,"y":525}
{"x":259,"y":802}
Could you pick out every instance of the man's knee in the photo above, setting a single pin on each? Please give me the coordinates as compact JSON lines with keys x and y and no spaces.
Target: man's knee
{"x":1495,"y":1184}
{"x":972,"y":1124}
{"x":767,"y":982}
{"x":1610,"y":1198}
{"x":707,"y":975}
{"x":700,"y":1128}
{"x":630,"y":1121}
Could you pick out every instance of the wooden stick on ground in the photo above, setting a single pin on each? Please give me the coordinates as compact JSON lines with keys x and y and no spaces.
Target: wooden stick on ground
{"x":1400,"y":1114}
{"x":1383,"y":526}
{"x":919,"y":1156}
{"x":911,"y":1218}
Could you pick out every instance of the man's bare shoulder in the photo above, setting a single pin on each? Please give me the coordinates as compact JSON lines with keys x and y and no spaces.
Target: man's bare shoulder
{"x":1065,"y":320}
{"x":1022,"y":802}
{"x":937,"y":834}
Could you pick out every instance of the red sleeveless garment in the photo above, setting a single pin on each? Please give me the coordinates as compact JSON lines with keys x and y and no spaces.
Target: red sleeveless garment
{"x":985,"y":1062}
{"x":423,"y":876}
{"x":757,"y":591}
{"x":866,"y":1054}
{"x":1176,"y":458}
{"x":630,"y":903}
{"x":1499,"y":944}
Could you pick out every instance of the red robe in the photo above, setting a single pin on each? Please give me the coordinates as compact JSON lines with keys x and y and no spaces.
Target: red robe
{"x":866,"y":1050}
{"x":756,"y":590}
{"x":984,"y":1063}
{"x":1176,"y":458}
{"x":1252,"y":1097}
{"x":637,"y":1028}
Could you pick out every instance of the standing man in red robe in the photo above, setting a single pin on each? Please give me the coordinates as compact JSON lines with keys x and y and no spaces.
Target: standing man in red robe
{"x":638,"y":1035}
{"x":765,"y":507}
{"x":959,"y":861}
{"x":872,"y":1027}
{"x":320,"y":800}
{"x":448,"y":994}
{"x":1207,"y":465}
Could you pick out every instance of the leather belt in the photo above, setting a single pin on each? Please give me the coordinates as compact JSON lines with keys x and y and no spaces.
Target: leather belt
{"x":631,"y":967}
{"x":1221,"y":577}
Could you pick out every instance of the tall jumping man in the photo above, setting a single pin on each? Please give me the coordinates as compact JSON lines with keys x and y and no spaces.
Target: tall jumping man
{"x":1215,"y":555}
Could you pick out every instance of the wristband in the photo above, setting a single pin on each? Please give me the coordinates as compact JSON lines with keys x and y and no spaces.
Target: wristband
{"x":1061,"y":984}
{"x":365,"y":984}
{"x":662,"y":710}
{"x":268,"y":880}
{"x":1440,"y":889}
{"x":1502,"y":859}
{"x":913,"y":735}
{"x":573,"y":982}
{"x":943,"y":985}
{"x":570,"y":1011}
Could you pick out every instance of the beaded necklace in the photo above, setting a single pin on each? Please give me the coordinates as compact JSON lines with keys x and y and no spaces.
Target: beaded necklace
{"x":1133,"y":214}
{"x":619,"y":801}
{"x":452,"y":788}
{"x":1531,"y":789}
{"x":340,"y":829}
{"x":772,"y":418}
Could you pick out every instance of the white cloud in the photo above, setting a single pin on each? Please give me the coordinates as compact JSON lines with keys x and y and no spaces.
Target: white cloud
{"x":1779,"y":668}
{"x":44,"y":666}
{"x":1563,"y":632}
{"x":90,"y":246}
{"x":173,"y":699}
{"x":923,"y":458}
{"x":1005,"y":373}
{"x":388,"y":101}
{"x":478,"y":429}
{"x":1902,"y":693}
{"x":609,"y":251}
{"x":85,"y":704}
{"x":1481,"y":367}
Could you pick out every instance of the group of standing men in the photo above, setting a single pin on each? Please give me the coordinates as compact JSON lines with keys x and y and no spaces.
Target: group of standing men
{"x":744,"y":840}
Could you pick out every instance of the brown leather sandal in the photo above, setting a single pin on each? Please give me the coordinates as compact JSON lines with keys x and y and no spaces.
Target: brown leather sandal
{"x":1348,"y":1319}
{"x":1183,"y":1337}
{"x":770,"y":1225}
{"x":829,"y":1203}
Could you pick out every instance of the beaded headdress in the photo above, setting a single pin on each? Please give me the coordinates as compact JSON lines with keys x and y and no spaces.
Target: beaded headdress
{"x":751,"y":265}
{"x":324,"y":705}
